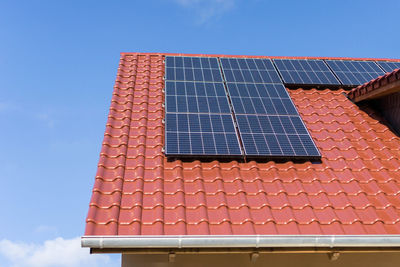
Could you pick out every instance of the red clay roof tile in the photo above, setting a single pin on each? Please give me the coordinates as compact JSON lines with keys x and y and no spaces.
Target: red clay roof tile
{"x":139,"y":192}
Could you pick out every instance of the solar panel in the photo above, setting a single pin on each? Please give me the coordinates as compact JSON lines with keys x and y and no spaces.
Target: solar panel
{"x":308,"y":72}
{"x":196,"y":97}
{"x":201,"y":134}
{"x":388,"y":66}
{"x":249,"y":70}
{"x":353,"y":73}
{"x":271,"y":99}
{"x":198,"y":120}
{"x":267,"y":119}
{"x":192,"y":69}
{"x":275,"y":136}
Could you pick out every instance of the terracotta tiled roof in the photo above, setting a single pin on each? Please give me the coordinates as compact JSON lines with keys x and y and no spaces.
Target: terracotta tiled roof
{"x":375,"y":84}
{"x":355,"y":190}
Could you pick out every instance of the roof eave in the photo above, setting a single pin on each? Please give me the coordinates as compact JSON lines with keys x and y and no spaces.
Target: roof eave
{"x":384,"y":90}
{"x":241,"y":241}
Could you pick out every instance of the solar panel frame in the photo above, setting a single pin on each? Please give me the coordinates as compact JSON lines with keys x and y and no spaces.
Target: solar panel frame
{"x":305,"y":72}
{"x":354,"y":72}
{"x":388,"y":66}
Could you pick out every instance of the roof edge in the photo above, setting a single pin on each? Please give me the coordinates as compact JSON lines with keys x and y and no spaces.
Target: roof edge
{"x":383,"y":85}
{"x":240,"y":241}
{"x":254,"y":56}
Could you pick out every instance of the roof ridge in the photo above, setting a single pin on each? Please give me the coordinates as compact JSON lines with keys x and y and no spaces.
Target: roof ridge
{"x":255,"y":56}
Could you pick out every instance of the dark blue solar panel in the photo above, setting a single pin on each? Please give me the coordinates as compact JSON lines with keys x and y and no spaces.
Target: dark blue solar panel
{"x":388,"y":66}
{"x":201,"y":134}
{"x":302,"y":71}
{"x":198,"y":115}
{"x":196,"y":97}
{"x":249,"y":70}
{"x":192,"y":69}
{"x":275,"y":136}
{"x":352,"y":73}
{"x":271,"y":99}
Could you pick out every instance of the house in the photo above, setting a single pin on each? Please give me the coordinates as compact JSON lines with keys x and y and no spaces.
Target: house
{"x":338,"y":207}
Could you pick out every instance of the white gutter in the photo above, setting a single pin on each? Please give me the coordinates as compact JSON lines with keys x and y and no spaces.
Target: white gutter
{"x":241,"y":241}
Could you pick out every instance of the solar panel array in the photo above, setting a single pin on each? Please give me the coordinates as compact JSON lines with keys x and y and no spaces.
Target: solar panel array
{"x":198,"y":116}
{"x":388,"y":66}
{"x":240,"y":107}
{"x":309,"y":72}
{"x":353,"y":73}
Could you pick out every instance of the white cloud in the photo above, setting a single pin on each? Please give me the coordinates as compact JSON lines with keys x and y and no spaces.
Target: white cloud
{"x":207,"y":9}
{"x":58,"y":252}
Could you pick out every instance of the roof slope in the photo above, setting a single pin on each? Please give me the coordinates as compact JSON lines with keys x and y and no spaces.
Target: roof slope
{"x":355,"y":190}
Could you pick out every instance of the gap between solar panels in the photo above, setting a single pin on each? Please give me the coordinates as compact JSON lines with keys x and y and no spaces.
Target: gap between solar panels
{"x":231,"y":107}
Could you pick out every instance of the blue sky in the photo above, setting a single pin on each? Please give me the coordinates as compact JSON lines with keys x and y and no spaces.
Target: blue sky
{"x":58,"y":62}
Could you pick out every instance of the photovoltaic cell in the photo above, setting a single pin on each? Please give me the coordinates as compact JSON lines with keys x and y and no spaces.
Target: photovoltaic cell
{"x":353,"y":73}
{"x":388,"y":66}
{"x":309,"y":72}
